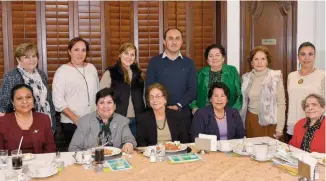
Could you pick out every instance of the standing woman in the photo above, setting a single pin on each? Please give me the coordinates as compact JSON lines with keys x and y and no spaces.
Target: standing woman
{"x":217,"y":71}
{"x":74,"y":87}
{"x":127,"y":81}
{"x":303,"y":82}
{"x":27,"y":73}
{"x":263,"y":109}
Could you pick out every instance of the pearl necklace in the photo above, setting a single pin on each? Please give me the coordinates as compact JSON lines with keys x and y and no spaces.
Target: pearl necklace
{"x":300,"y":81}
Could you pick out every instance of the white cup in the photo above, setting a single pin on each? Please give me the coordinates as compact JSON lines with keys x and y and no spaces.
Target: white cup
{"x":261,"y":152}
{"x":224,"y":145}
{"x":79,"y":157}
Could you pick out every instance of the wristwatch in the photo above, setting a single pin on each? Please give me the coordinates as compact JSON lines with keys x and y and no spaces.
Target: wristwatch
{"x":179,"y":106}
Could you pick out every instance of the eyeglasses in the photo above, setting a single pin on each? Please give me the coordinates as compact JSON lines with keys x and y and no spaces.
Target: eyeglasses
{"x":155,"y":97}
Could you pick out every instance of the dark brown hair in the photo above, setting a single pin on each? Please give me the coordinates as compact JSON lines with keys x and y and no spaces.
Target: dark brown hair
{"x":73,"y":41}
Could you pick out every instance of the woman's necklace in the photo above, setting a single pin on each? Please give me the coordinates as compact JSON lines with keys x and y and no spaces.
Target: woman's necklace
{"x":163,"y":124}
{"x":24,"y":124}
{"x":83,"y":75}
{"x":300,"y":81}
{"x":218,"y":117}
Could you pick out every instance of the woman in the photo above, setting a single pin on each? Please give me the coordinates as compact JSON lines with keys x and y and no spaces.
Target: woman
{"x":103,"y":126}
{"x":74,"y":95}
{"x":217,"y":71}
{"x":303,"y":82}
{"x":160,"y":124}
{"x":263,"y":108}
{"x":22,"y":121}
{"x":309,"y":132}
{"x":127,"y":81}
{"x":217,"y":119}
{"x":26,"y":72}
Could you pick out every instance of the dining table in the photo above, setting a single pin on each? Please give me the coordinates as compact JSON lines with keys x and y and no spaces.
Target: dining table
{"x":213,"y":166}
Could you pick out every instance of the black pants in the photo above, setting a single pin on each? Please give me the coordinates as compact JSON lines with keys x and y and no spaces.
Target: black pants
{"x":68,"y":130}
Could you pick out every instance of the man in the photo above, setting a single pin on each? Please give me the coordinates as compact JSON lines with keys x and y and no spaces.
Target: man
{"x":176,"y":72}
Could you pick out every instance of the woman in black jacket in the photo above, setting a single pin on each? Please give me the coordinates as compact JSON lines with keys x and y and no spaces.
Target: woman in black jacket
{"x":127,"y":81}
{"x":159,"y":124}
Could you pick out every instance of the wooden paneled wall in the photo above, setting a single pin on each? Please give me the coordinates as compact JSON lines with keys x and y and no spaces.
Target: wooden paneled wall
{"x":105,"y":25}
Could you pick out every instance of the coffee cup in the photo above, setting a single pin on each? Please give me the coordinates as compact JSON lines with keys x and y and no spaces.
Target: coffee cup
{"x":224,"y":145}
{"x":261,"y":152}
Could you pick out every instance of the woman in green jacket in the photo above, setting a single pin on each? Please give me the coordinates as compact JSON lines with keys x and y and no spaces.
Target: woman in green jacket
{"x":217,"y":71}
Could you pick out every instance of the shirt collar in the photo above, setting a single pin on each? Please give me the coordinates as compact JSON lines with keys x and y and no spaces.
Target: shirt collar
{"x":179,"y":55}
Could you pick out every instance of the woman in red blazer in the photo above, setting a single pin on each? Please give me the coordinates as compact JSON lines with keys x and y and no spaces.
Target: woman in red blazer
{"x":309,"y":132}
{"x":35,"y":127}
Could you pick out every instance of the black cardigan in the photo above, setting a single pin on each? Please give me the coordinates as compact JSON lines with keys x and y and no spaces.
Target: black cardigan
{"x":147,"y":127}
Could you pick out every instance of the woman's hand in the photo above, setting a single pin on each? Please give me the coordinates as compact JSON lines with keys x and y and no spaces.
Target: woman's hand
{"x":128,"y":148}
{"x":2,"y":114}
{"x":278,"y":135}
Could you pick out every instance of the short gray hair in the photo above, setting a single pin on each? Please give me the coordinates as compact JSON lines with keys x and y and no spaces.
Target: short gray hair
{"x":320,"y":99}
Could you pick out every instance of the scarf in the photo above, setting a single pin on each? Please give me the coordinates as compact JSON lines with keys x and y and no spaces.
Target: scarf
{"x":39,"y":90}
{"x":105,"y":134}
{"x":310,"y":133}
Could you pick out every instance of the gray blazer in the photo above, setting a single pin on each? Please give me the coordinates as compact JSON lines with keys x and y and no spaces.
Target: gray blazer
{"x":86,"y":134}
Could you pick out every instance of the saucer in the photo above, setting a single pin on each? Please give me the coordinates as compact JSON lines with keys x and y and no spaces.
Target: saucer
{"x":218,"y":148}
{"x":264,"y":160}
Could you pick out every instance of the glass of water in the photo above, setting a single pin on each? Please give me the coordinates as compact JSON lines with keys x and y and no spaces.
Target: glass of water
{"x":3,"y":159}
{"x":87,"y":159}
{"x":160,"y":151}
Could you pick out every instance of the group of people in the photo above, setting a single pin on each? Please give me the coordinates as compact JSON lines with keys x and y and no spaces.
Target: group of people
{"x":172,"y":102}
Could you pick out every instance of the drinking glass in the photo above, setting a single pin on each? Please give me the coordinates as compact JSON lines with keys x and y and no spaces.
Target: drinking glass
{"x":87,"y":159}
{"x":160,"y":151}
{"x":3,"y":159}
{"x":99,"y":155}
{"x":17,"y":159}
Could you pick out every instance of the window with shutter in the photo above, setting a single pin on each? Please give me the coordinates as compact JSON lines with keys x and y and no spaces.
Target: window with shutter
{"x":175,"y":17}
{"x":89,"y":28}
{"x":148,"y":32}
{"x":2,"y":69}
{"x":23,"y":23}
{"x":203,"y":30}
{"x":119,"y":28}
{"x":57,"y":35}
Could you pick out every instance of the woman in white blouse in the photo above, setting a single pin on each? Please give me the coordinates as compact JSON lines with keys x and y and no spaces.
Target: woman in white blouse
{"x":301,"y":83}
{"x":74,"y":87}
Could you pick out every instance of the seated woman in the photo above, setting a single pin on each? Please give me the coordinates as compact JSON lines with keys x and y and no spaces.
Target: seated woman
{"x":216,"y":119}
{"x":22,"y":121}
{"x":103,"y":126}
{"x":160,"y":124}
{"x":309,"y":132}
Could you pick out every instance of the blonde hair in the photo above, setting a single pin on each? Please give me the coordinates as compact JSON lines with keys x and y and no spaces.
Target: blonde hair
{"x":125,"y":47}
{"x":23,"y":48}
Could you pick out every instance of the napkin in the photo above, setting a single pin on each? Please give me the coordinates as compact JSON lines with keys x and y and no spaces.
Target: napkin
{"x":206,"y":142}
{"x":307,"y":164}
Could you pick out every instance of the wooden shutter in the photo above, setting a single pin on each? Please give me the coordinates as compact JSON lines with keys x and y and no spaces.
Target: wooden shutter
{"x":148,"y":32}
{"x":23,"y":23}
{"x":57,"y":35}
{"x":89,"y":28}
{"x":119,"y":28}
{"x":2,"y":64}
{"x":175,"y":17}
{"x":203,"y":30}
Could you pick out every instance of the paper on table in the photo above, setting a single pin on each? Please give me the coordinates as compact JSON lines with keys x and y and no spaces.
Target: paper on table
{"x":213,"y":140}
